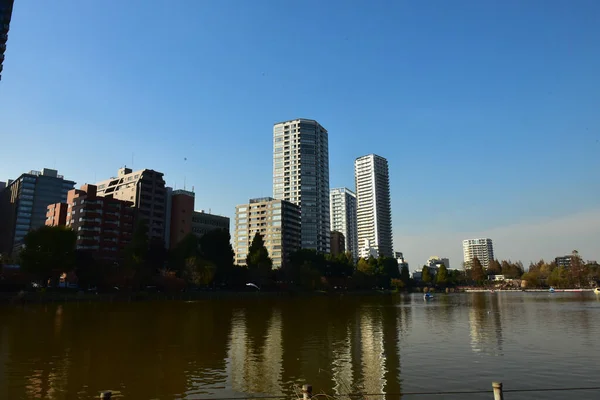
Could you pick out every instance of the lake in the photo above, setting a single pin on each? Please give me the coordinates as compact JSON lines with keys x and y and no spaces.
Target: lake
{"x":266,"y":345}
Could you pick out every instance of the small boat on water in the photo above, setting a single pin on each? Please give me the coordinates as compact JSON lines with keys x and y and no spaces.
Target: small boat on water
{"x":551,"y":290}
{"x":427,"y":296}
{"x":597,"y":290}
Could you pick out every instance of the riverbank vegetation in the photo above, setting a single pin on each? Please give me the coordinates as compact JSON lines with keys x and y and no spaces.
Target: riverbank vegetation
{"x":50,"y":259}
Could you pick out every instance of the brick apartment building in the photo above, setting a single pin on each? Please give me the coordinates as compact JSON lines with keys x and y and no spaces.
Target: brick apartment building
{"x":104,"y":225}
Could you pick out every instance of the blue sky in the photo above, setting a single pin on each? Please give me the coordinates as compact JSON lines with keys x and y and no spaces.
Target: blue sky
{"x":486,"y":110}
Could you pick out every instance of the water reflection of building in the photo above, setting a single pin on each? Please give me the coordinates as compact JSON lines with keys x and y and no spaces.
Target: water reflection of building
{"x":485,"y":325}
{"x":255,"y":365}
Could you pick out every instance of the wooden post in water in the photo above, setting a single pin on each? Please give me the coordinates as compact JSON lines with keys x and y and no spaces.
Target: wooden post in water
{"x":497,"y":386}
{"x":106,"y":395}
{"x":306,"y":392}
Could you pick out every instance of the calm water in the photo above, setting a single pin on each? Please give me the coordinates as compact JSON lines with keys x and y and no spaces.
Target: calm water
{"x":232,"y":347}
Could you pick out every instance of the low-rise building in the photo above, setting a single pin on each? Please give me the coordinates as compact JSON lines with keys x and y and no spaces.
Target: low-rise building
{"x":278,"y":221}
{"x":104,"y":225}
{"x":184,"y":220}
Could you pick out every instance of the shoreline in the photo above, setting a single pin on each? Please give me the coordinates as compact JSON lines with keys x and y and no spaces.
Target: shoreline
{"x":53,"y":297}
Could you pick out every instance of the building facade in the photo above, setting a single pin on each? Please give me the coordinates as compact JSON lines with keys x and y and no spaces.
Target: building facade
{"x":481,"y":248}
{"x":104,"y":225}
{"x":203,"y":222}
{"x":184,"y":220}
{"x":338,"y":243}
{"x":564,"y":261}
{"x":24,"y":202}
{"x":435,"y":261}
{"x":342,"y":206}
{"x":182,"y":208}
{"x":146,"y":190}
{"x":6,"y":7}
{"x":278,"y":221}
{"x":373,"y":206}
{"x":301,"y":176}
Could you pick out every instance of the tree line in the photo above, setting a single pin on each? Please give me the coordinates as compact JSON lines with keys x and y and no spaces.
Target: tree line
{"x":208,"y":262}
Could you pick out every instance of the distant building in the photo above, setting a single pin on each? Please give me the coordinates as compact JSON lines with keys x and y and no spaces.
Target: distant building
{"x":203,"y":222}
{"x":24,"y":202}
{"x":184,"y":220}
{"x":2,"y":186}
{"x":342,"y":208}
{"x":437,"y":262}
{"x":373,"y":209}
{"x":104,"y":225}
{"x":401,"y":261}
{"x":6,"y":7}
{"x":481,"y":248}
{"x":301,"y":176}
{"x":278,"y":221}
{"x":146,"y":190}
{"x":564,"y":261}
{"x":338,"y":243}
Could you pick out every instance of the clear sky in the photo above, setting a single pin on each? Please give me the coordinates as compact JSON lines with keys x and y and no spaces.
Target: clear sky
{"x":488,"y":111}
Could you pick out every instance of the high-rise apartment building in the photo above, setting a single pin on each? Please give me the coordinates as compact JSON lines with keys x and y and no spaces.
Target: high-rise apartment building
{"x":481,"y":248}
{"x":146,"y":190}
{"x":278,"y":221}
{"x":104,"y":225}
{"x":24,"y":202}
{"x":6,"y":7}
{"x":342,"y":206}
{"x":301,"y":176}
{"x":373,"y":208}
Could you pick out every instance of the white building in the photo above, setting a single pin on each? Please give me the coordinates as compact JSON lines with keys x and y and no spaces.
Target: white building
{"x":436,"y":261}
{"x":373,"y":210}
{"x":301,"y":176}
{"x":481,"y":248}
{"x":342,"y":206}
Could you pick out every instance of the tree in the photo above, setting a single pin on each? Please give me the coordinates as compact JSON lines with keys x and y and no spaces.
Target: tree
{"x":426,"y":275}
{"x":442,"y":276}
{"x":578,"y":270}
{"x":215,"y":247}
{"x":494,"y":268}
{"x":187,"y":247}
{"x":405,"y":274}
{"x":477,"y":273}
{"x":532,"y":278}
{"x":199,"y":271}
{"x":365,"y":267}
{"x":258,"y":261}
{"x":49,"y":251}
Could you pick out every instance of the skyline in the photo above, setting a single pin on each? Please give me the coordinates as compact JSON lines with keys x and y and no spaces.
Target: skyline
{"x":478,"y":145}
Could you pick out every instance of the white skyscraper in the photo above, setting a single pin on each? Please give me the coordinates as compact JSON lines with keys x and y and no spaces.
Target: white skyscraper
{"x":342,"y":205}
{"x":301,"y":176}
{"x":481,"y":248}
{"x":374,"y":214}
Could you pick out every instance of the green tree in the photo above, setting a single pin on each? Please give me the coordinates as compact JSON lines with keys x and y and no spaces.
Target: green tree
{"x":49,"y":251}
{"x":494,"y":268}
{"x":477,"y":273}
{"x":426,"y":275}
{"x":532,"y":278}
{"x":578,"y":270}
{"x":405,"y":274}
{"x":442,"y":276}
{"x":258,"y":261}
{"x":366,"y":267}
{"x":199,"y":272}
{"x":216,"y":248}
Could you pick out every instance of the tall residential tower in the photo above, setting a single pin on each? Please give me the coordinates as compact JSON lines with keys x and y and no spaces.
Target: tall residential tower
{"x":301,"y":176}
{"x":481,"y":248}
{"x":373,"y":210}
{"x":343,"y":217}
{"x":6,"y":7}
